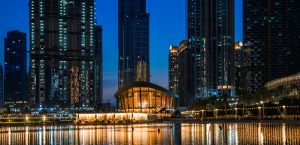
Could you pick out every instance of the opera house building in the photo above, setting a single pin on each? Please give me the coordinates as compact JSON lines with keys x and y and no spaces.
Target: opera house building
{"x":288,"y":86}
{"x":144,"y":97}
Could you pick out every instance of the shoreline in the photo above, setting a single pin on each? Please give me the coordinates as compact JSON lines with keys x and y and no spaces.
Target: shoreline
{"x":166,"y":121}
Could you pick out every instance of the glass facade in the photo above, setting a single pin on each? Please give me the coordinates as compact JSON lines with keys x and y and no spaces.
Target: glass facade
{"x":15,"y":76}
{"x":1,"y":86}
{"x":173,"y":69}
{"x":271,"y":41}
{"x":133,"y":42}
{"x":180,"y":72}
{"x":142,"y":97}
{"x":62,"y":65}
{"x":211,"y":42}
{"x":98,"y":63}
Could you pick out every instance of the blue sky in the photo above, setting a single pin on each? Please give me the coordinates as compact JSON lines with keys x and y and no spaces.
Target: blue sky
{"x":167,"y":27}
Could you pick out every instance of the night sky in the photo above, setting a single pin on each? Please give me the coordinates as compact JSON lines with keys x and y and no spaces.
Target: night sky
{"x":167,"y":26}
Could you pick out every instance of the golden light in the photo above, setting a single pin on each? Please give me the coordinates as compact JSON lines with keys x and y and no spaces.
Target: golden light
{"x":27,"y":118}
{"x":44,"y":118}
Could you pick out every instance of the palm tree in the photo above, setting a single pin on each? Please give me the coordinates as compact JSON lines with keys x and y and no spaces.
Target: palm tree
{"x":225,"y":98}
{"x":242,"y":94}
{"x":281,"y":91}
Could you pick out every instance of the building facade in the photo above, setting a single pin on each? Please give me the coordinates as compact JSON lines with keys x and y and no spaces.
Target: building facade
{"x":238,"y":63}
{"x":133,"y":27}
{"x":1,"y":87}
{"x":173,"y":69}
{"x":99,"y":64}
{"x":271,"y":41}
{"x":210,"y":32}
{"x":15,"y":76}
{"x":144,"y":97}
{"x":184,"y":75}
{"x":285,"y":87}
{"x":62,"y":50}
{"x":180,"y":74}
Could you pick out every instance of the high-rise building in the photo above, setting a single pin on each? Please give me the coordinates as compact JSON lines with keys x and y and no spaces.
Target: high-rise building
{"x":1,"y":87}
{"x":184,"y":75}
{"x":62,"y":50}
{"x":180,"y":72}
{"x":238,"y":62}
{"x":271,"y":41}
{"x":210,"y":32}
{"x":99,"y":64}
{"x":173,"y":69}
{"x":15,"y":76}
{"x":133,"y":42}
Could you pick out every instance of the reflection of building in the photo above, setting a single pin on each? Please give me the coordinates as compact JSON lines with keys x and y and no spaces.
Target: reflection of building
{"x":98,"y":63}
{"x":291,"y":85}
{"x":133,"y":41}
{"x":211,"y":43}
{"x":271,"y":40}
{"x":15,"y":77}
{"x":144,"y":97}
{"x":1,"y":87}
{"x":62,"y":68}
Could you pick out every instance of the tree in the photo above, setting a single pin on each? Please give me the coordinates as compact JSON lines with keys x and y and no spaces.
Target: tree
{"x":225,"y":101}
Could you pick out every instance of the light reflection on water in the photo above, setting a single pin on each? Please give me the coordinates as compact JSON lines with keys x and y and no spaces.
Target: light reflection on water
{"x":173,"y":134}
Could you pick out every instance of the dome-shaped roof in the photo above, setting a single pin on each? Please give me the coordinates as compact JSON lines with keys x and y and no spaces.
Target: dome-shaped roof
{"x":142,"y":84}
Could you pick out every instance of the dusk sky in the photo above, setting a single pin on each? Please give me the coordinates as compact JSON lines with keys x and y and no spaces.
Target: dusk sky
{"x":167,"y":27}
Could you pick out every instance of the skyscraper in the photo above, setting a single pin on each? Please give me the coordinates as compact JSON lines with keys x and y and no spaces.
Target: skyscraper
{"x":133,"y":42}
{"x":238,"y":62}
{"x":98,"y":63}
{"x":15,"y":77}
{"x":173,"y":69}
{"x":210,"y":32}
{"x":271,"y":41}
{"x":184,"y":75}
{"x":180,"y":72}
{"x":1,"y":87}
{"x":62,"y":50}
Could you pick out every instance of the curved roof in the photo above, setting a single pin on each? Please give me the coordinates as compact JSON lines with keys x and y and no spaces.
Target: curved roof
{"x":283,"y":81}
{"x":142,"y":84}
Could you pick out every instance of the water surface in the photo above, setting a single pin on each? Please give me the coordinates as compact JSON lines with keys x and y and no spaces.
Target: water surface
{"x":164,"y":134}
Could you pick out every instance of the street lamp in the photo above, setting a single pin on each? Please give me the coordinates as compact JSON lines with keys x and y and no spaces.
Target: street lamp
{"x":259,"y":112}
{"x":27,"y":118}
{"x":236,"y":109}
{"x":283,"y":111}
{"x":263,"y":109}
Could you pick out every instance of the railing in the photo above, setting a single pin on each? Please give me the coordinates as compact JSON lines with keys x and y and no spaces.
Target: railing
{"x":249,"y":113}
{"x":41,"y":117}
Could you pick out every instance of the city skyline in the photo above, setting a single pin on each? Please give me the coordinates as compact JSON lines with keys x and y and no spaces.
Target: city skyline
{"x":162,"y":34}
{"x":150,"y":72}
